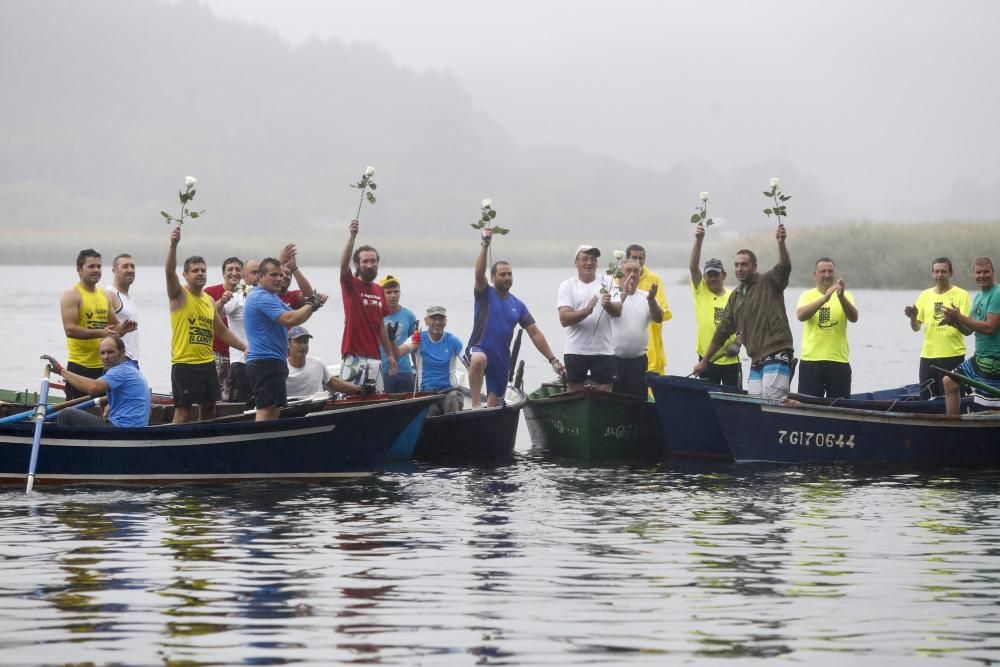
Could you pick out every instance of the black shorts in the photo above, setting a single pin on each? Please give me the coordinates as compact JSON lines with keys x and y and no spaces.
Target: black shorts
{"x":72,"y":392}
{"x":630,"y":376}
{"x":268,"y":377}
{"x":600,"y":366}
{"x":239,"y":383}
{"x":830,"y":379}
{"x":930,"y":379}
{"x":194,"y":383}
{"x":727,"y":374}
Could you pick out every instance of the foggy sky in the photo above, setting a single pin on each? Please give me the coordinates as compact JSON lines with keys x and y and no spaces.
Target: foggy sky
{"x":891,"y":106}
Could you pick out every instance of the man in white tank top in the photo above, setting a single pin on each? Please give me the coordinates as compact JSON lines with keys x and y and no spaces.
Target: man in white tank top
{"x":123,"y":269}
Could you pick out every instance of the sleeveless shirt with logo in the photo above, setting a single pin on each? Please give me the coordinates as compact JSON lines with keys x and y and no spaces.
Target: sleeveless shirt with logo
{"x":94,"y":308}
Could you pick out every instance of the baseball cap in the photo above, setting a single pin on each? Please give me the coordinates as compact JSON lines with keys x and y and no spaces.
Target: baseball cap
{"x":389,"y":280}
{"x":589,"y":249}
{"x":298,"y":332}
{"x":436,"y":310}
{"x":714,"y":264}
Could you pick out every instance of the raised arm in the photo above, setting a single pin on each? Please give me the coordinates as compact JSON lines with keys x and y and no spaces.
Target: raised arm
{"x":850,"y":310}
{"x":695,"y":259}
{"x":655,"y":311}
{"x":175,"y":293}
{"x":481,"y":282}
{"x":784,"y":259}
{"x":345,"y":257}
{"x":289,"y":259}
{"x":911,"y":314}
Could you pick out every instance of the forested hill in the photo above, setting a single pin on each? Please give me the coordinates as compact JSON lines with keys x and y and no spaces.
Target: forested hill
{"x":110,"y":103}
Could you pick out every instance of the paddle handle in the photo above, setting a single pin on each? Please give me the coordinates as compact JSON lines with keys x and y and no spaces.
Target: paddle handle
{"x":39,"y":418}
{"x":53,"y":408}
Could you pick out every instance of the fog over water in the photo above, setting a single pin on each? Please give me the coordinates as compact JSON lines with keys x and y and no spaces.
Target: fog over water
{"x":584,"y":121}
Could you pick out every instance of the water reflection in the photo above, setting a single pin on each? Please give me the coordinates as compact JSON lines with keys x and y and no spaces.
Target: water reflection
{"x":525,"y":564}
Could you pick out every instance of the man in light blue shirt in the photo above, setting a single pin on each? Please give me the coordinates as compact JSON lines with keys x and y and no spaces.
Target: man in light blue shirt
{"x":127,"y":390}
{"x":438,"y":350}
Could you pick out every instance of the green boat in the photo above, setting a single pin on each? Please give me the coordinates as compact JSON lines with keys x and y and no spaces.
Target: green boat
{"x":591,"y":425}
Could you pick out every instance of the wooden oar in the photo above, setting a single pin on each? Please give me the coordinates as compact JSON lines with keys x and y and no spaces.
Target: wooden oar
{"x":969,"y":382}
{"x":81,"y":403}
{"x":52,"y":408}
{"x":40,"y":410}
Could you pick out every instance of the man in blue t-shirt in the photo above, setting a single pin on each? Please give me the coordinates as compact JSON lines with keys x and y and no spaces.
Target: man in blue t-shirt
{"x":400,"y":325}
{"x":497,"y":312}
{"x":128,"y":393}
{"x":437,"y":351}
{"x":267,"y":320}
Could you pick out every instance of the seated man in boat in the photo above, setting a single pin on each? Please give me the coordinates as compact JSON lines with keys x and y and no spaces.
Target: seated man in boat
{"x":309,"y":375}
{"x":984,"y":322}
{"x":127,"y":390}
{"x":825,"y":310}
{"x":496,"y":313}
{"x":267,"y":319}
{"x":757,"y":311}
{"x":194,"y":324}
{"x":630,"y":332}
{"x":944,"y":344}
{"x":437,"y":351}
{"x":588,"y":350}
{"x":708,"y":289}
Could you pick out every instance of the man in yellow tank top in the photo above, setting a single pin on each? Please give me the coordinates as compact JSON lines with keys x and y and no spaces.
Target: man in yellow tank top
{"x":194,"y":323}
{"x":825,"y":311}
{"x":87,"y":317}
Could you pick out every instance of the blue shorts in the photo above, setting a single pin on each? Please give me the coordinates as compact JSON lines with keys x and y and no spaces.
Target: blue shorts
{"x":771,"y":377}
{"x":497,"y":369}
{"x":970,"y":369}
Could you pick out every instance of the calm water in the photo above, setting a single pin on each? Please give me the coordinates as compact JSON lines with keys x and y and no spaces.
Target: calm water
{"x":533,"y":563}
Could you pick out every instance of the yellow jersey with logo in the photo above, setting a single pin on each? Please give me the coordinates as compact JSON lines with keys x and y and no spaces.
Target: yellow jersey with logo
{"x":941,"y":340}
{"x":94,"y":309}
{"x":824,"y":335}
{"x":655,"y":353}
{"x":192,"y":328}
{"x":708,"y":307}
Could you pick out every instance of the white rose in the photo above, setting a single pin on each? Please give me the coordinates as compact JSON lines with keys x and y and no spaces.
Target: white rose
{"x":190,"y":182}
{"x":369,"y":171}
{"x":619,"y":254}
{"x":487,"y":203}
{"x":775,"y":182}
{"x":703,"y":196}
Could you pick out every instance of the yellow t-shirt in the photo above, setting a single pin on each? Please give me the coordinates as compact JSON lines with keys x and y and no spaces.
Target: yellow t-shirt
{"x":94,"y":308}
{"x":708,"y":308}
{"x":655,"y":354}
{"x":192,"y":330}
{"x":941,"y":340}
{"x":824,"y":335}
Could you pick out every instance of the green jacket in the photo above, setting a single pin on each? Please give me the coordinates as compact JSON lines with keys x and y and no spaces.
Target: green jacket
{"x":757,"y":312}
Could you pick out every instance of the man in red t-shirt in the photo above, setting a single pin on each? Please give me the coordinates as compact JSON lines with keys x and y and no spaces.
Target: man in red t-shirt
{"x":365,"y":308}
{"x":232,"y":271}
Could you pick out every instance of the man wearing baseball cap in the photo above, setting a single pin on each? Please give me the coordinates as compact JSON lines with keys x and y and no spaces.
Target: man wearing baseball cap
{"x":400,"y":324}
{"x":437,"y":352}
{"x":309,"y":375}
{"x":708,"y":289}
{"x":588,"y":349}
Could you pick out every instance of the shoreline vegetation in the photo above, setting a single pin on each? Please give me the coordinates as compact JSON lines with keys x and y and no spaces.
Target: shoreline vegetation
{"x":871,"y":255}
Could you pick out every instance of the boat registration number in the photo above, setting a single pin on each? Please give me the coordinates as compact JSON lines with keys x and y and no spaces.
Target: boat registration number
{"x":810,"y":439}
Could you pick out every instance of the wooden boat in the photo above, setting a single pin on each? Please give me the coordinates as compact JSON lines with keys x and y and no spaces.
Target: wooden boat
{"x":348,"y":442}
{"x":473,"y":437}
{"x":793,"y":432}
{"x":692,"y":428}
{"x":592,"y":425}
